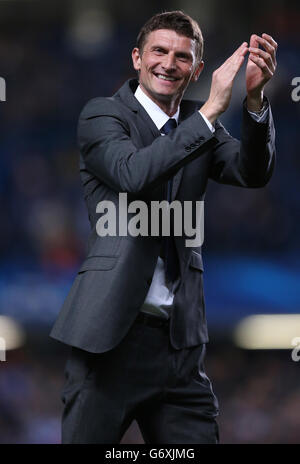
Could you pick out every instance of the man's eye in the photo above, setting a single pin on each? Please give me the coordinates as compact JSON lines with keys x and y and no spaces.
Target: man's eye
{"x":158,"y":51}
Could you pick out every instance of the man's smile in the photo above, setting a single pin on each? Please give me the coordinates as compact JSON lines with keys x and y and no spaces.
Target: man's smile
{"x":164,"y":77}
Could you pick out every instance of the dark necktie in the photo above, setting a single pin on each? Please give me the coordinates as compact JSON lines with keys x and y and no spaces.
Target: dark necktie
{"x":168,"y":251}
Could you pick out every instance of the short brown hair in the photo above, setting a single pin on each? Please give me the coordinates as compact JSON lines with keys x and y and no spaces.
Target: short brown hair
{"x":177,"y":21}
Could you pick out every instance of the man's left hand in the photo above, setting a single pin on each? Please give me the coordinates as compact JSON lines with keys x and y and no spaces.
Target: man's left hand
{"x":260,"y":68}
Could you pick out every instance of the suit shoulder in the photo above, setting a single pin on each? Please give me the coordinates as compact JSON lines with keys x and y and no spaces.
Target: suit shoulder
{"x":100,"y":106}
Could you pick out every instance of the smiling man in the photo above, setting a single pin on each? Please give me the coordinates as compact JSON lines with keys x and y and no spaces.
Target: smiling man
{"x":166,"y":63}
{"x":135,"y":315}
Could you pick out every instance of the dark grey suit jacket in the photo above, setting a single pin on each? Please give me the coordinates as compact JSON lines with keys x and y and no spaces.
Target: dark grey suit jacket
{"x":122,"y":151}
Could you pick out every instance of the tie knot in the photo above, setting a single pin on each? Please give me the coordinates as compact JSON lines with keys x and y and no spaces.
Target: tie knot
{"x":170,"y":124}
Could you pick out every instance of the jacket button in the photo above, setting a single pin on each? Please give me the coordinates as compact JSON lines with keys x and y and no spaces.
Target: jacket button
{"x":149,"y":281}
{"x":187,"y":148}
{"x":201,"y":138}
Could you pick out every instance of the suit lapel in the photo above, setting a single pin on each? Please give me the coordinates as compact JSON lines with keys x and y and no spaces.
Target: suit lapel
{"x":148,"y":129}
{"x":148,"y":125}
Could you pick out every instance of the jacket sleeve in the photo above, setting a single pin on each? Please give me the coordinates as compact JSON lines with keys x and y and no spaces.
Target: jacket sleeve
{"x":109,"y":153}
{"x":249,"y":162}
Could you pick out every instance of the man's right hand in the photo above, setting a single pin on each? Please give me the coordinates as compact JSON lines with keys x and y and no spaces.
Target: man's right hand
{"x":221,"y":85}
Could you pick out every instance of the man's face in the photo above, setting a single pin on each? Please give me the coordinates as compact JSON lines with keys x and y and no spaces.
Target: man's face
{"x":166,"y":66}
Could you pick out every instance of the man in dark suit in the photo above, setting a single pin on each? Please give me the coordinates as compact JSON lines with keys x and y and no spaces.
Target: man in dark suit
{"x":135,"y":317}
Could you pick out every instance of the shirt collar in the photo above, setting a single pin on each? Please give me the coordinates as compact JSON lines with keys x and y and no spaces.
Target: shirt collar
{"x":158,"y":116}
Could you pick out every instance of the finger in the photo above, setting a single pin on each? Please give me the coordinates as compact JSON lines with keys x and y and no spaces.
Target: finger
{"x":244,"y":50}
{"x":253,"y":41}
{"x":270,"y":40}
{"x":230,"y":68}
{"x":239,"y":63}
{"x":268,"y":47}
{"x":240,"y":51}
{"x":267,"y":44}
{"x":265,"y":56}
{"x":228,"y":71}
{"x":262,"y":65}
{"x":233,"y":67}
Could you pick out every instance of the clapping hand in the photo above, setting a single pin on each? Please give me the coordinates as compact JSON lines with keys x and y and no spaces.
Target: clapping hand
{"x":260,"y":68}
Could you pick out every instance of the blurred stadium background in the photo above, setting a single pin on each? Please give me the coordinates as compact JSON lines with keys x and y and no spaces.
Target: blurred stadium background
{"x":54,"y":57}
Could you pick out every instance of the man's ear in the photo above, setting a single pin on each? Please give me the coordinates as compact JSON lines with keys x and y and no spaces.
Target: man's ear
{"x":136,"y":59}
{"x":198,"y":71}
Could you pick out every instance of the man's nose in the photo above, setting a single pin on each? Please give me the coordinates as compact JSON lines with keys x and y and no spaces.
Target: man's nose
{"x":169,"y":62}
